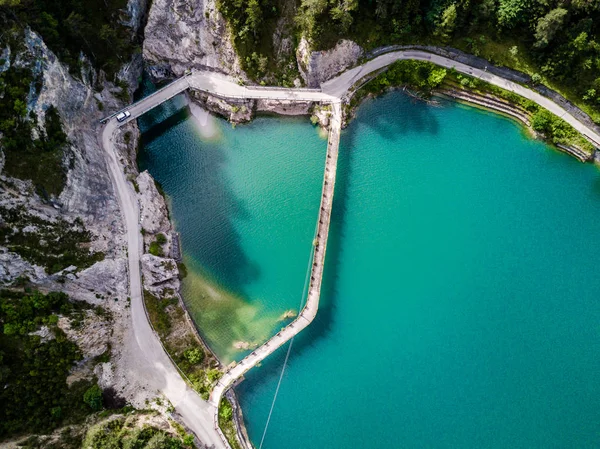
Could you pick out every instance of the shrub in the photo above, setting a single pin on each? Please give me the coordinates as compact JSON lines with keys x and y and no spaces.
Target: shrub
{"x":155,"y":249}
{"x":93,"y":397}
{"x":194,"y":355}
{"x":161,"y":239}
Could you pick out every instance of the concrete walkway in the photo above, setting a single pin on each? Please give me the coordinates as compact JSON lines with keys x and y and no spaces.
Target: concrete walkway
{"x":201,"y":416}
{"x":309,"y":312}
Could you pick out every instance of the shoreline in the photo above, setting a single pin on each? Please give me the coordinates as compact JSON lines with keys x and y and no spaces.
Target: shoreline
{"x":509,"y":110}
{"x":477,"y":100}
{"x":470,"y":98}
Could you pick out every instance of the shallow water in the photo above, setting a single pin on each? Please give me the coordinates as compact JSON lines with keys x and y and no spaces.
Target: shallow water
{"x":460,"y":300}
{"x":245,"y":202}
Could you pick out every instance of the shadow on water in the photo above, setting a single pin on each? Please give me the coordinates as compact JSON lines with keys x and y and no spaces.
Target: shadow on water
{"x":154,"y":129}
{"x":416,"y":116}
{"x":206,"y":208}
{"x":218,"y":245}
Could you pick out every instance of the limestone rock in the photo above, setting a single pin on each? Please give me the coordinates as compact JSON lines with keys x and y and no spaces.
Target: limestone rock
{"x":12,"y":266}
{"x":154,"y":214}
{"x":185,"y":34}
{"x":236,"y":111}
{"x":91,"y":337}
{"x":284,"y":107}
{"x":159,"y":274}
{"x":44,"y":333}
{"x":317,"y":67}
{"x":136,"y":11}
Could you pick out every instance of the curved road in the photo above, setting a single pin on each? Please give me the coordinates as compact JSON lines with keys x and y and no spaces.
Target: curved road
{"x":338,"y":86}
{"x":160,"y":373}
{"x":198,"y":414}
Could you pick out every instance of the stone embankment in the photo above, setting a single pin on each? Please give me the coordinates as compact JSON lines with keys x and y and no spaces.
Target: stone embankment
{"x":512,"y":110}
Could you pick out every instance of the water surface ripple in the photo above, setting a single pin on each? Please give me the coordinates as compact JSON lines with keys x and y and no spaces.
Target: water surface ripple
{"x":460,"y":304}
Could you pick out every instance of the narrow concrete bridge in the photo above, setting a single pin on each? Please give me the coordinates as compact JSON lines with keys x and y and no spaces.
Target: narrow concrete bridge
{"x":222,"y":86}
{"x":309,"y":312}
{"x":201,"y":416}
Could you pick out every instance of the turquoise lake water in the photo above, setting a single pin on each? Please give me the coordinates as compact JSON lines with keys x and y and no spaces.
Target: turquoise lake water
{"x":460,"y":302}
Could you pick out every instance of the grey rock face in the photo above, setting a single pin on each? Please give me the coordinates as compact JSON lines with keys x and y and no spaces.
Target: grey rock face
{"x":184,"y":34}
{"x":317,"y":67}
{"x":161,"y":275}
{"x":154,"y":215}
{"x":88,"y":193}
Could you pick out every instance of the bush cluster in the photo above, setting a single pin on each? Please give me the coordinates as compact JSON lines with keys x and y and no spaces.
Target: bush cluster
{"x":35,"y":396}
{"x":38,"y":159}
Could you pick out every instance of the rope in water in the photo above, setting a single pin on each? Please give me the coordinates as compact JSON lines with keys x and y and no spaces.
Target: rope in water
{"x":287,"y":356}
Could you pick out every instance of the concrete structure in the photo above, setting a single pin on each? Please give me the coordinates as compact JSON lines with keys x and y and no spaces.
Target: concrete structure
{"x":201,"y":416}
{"x":309,"y":312}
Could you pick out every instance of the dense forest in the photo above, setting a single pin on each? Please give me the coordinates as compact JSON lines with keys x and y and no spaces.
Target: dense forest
{"x":71,"y":28}
{"x":35,"y":396}
{"x":557,"y":42}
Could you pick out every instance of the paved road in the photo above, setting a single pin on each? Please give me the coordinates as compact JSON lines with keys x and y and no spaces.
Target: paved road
{"x":226,"y":87}
{"x":200,"y":415}
{"x":338,"y":86}
{"x":197,"y":413}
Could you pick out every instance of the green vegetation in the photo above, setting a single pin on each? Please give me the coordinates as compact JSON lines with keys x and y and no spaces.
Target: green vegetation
{"x":38,"y":159}
{"x":559,"y":43}
{"x":168,"y":319}
{"x":156,"y":247}
{"x":122,"y":433}
{"x":425,"y":77}
{"x":54,"y":245}
{"x":35,"y":396}
{"x":421,"y":75}
{"x":93,"y":397}
{"x":227,"y":424}
{"x":157,"y":311}
{"x":543,"y":121}
{"x":253,"y":23}
{"x":71,"y":27}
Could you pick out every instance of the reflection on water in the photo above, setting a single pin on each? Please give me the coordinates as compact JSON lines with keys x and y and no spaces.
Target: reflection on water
{"x":207,"y":125}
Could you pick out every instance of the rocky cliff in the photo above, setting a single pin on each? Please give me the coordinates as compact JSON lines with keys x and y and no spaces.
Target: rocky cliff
{"x":185,"y":34}
{"x":87,"y":204}
{"x":317,"y":67}
{"x":88,"y":194}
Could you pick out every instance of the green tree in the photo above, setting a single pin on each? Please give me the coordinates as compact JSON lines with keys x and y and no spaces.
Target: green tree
{"x":307,"y":15}
{"x":510,"y":12}
{"x":548,"y":26}
{"x":254,"y":14}
{"x":194,"y":355}
{"x":436,"y":77}
{"x":188,"y":440}
{"x":580,"y":42}
{"x":341,"y":12}
{"x":93,"y":397}
{"x":446,"y":23}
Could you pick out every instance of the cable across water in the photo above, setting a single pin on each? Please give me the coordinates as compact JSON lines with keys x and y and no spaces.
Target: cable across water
{"x":287,"y":356}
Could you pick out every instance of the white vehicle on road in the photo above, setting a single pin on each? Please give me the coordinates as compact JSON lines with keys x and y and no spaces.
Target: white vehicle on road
{"x":123,"y":116}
